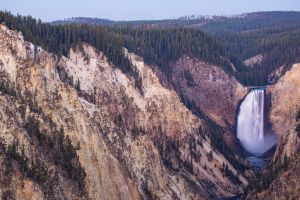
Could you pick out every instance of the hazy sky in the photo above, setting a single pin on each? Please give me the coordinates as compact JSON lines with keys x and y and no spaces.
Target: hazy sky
{"x":49,"y":10}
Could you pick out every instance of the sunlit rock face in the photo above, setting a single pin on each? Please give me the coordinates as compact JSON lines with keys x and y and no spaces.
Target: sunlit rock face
{"x":285,"y":100}
{"x":119,"y":129}
{"x":250,"y":125}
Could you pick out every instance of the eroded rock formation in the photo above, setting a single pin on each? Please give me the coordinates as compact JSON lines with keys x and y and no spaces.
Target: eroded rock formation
{"x":209,"y":88}
{"x":78,"y":128}
{"x":285,"y":99}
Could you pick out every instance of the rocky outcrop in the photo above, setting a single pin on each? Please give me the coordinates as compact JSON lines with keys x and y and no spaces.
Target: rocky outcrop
{"x":250,"y":62}
{"x":276,"y":74}
{"x":209,"y":89}
{"x":78,"y":128}
{"x":285,"y":100}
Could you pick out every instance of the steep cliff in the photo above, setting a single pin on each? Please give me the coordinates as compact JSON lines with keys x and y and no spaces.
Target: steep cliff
{"x":208,"y":88}
{"x":79,"y":128}
{"x":285,"y":100}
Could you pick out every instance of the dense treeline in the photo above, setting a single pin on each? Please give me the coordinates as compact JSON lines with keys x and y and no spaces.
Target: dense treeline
{"x":85,"y":20}
{"x":274,"y":35}
{"x":163,"y":46}
{"x":148,"y":24}
{"x":253,"y":21}
{"x":212,"y":24}
{"x":59,"y":39}
{"x":159,"y":47}
{"x":277,"y":49}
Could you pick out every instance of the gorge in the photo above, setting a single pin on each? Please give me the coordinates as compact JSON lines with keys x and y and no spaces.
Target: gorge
{"x":147,"y":112}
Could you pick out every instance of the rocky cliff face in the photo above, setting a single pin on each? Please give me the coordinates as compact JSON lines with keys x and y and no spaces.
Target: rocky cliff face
{"x":209,"y":89}
{"x":250,"y":62}
{"x":285,"y":99}
{"x":78,"y":128}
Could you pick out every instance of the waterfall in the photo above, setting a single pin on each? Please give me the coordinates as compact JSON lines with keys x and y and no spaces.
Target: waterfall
{"x":250,"y":125}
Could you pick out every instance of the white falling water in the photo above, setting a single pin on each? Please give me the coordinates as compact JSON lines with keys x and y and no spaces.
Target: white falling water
{"x":250,"y":126}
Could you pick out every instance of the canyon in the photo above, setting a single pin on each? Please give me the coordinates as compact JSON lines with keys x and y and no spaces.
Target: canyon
{"x":90,"y":120}
{"x":127,"y":141}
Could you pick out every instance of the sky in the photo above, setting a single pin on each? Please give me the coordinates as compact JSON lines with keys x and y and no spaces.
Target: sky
{"x":50,"y":10}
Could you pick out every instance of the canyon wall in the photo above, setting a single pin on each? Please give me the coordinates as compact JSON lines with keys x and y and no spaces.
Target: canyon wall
{"x":285,"y":100}
{"x":208,"y":88}
{"x":76,"y":127}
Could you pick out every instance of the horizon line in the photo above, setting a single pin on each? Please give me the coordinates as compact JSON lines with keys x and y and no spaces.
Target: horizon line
{"x":194,"y":16}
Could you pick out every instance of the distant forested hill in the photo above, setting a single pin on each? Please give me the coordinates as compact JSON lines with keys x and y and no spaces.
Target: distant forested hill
{"x":274,"y":36}
{"x":156,"y":46}
{"x":276,"y":20}
{"x":213,"y":24}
